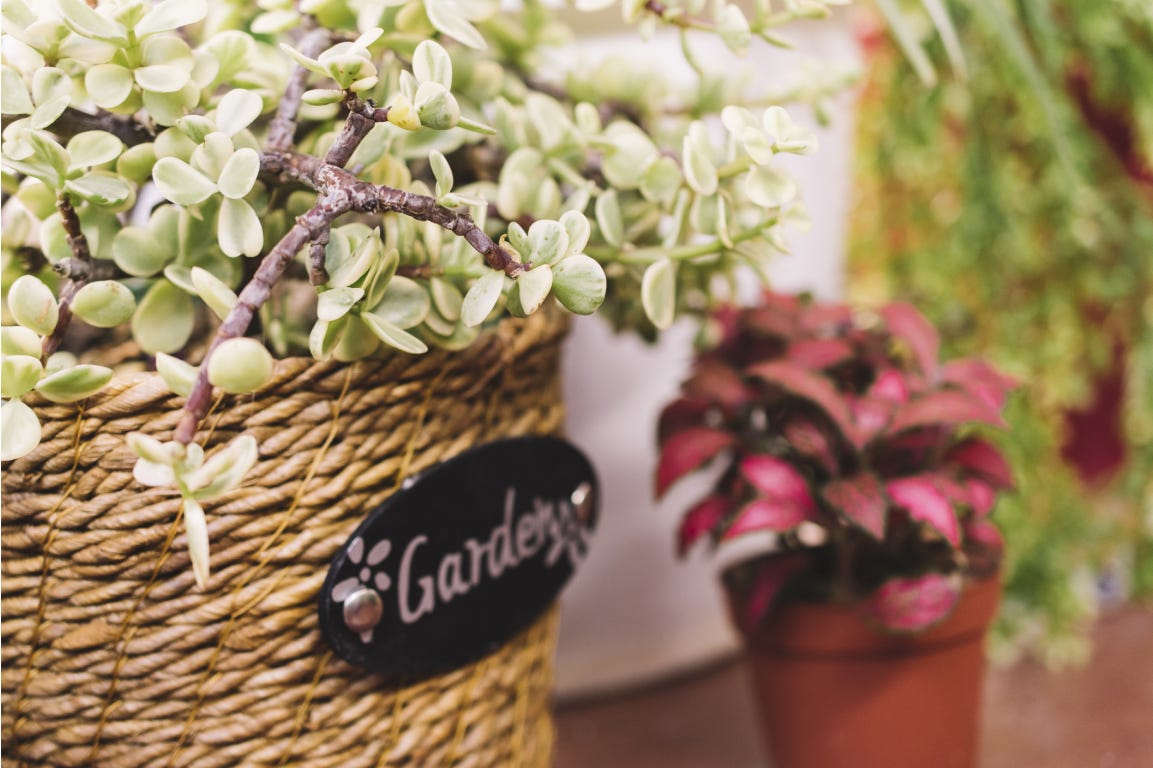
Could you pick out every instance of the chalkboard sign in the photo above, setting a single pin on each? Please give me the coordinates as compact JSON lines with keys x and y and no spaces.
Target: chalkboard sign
{"x":461,"y":558}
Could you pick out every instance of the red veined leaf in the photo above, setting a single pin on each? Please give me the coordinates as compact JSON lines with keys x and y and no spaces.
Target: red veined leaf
{"x":772,"y":320}
{"x":714,"y":381}
{"x":765,"y":514}
{"x":890,"y":384}
{"x":809,"y":440}
{"x":679,"y":415}
{"x":800,"y":382}
{"x":982,"y":497}
{"x":981,"y":458}
{"x":979,"y":378}
{"x":871,"y":415}
{"x":913,"y":604}
{"x":699,"y":520}
{"x":777,"y":479}
{"x":923,"y":501}
{"x":947,"y":407}
{"x":819,"y":353}
{"x":827,"y":319}
{"x":687,"y":450}
{"x":906,"y":323}
{"x":769,"y":579}
{"x":861,"y":499}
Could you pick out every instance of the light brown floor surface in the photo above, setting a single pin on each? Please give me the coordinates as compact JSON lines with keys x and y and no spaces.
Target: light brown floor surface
{"x":1099,"y":716}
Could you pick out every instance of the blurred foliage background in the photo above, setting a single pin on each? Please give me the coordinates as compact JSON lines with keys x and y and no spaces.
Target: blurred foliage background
{"x":1012,"y":201}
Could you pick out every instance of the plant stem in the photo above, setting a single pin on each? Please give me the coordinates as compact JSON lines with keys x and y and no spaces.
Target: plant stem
{"x":73,"y":121}
{"x":282,"y":129}
{"x":78,"y":275}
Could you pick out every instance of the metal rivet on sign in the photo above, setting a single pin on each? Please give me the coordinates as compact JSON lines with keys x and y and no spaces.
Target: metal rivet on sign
{"x":362,"y":610}
{"x":582,"y":499}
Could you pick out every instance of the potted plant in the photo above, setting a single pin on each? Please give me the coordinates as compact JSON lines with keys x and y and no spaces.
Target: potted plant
{"x":263,"y":263}
{"x":842,"y":434}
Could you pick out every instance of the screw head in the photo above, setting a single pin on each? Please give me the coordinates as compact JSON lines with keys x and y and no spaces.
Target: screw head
{"x":582,"y":500}
{"x":362,"y":610}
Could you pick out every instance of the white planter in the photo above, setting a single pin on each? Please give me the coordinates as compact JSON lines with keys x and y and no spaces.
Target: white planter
{"x":634,"y":612}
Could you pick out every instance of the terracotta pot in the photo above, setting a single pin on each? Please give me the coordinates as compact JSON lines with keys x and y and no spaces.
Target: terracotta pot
{"x":833,"y":691}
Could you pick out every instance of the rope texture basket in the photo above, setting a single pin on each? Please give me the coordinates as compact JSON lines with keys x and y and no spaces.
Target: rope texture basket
{"x":111,"y":655}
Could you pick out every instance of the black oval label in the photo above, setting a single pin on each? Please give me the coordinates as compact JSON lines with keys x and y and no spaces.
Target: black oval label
{"x":463,"y":557}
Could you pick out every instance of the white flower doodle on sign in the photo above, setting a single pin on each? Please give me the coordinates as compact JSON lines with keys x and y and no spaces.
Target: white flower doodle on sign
{"x":365,"y":578}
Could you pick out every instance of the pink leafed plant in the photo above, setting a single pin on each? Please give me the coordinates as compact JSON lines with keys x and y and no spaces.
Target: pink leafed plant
{"x":848,"y":425}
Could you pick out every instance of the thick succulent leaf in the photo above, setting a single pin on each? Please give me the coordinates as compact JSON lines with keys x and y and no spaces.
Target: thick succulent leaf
{"x":104,"y":303}
{"x":448,"y":18}
{"x":196,"y":533}
{"x":777,"y":479}
{"x":394,"y":336}
{"x":169,"y":15}
{"x":239,"y":173}
{"x":75,"y":383}
{"x":164,"y":318}
{"x":911,"y":327}
{"x":19,"y":430}
{"x":405,"y":303}
{"x":702,"y":518}
{"x":33,"y":305}
{"x":19,"y":373}
{"x":237,"y":109}
{"x":686,"y":451}
{"x":14,"y":98}
{"x":580,"y":283}
{"x":913,"y":604}
{"x":981,"y":458}
{"x":239,"y":229}
{"x":180,"y":182}
{"x":224,"y":470}
{"x":431,"y":62}
{"x":93,"y":148}
{"x":765,"y":514}
{"x":799,"y":381}
{"x":99,"y":188}
{"x":770,"y":187}
{"x":215,"y":293}
{"x":659,"y":292}
{"x":481,"y":298}
{"x":533,"y":287}
{"x":923,"y":500}
{"x":178,"y":375}
{"x":944,"y":407}
{"x":240,"y":365}
{"x":861,"y":500}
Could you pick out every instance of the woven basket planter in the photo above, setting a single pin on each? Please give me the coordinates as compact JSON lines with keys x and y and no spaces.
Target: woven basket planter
{"x":112,"y":657}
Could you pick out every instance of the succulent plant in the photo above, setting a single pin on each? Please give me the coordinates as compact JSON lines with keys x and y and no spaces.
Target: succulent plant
{"x":842,"y":433}
{"x":230,"y":183}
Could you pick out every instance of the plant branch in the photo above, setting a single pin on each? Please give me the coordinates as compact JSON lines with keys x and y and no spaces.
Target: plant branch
{"x":78,"y":274}
{"x":282,"y":129}
{"x":73,"y":121}
{"x":317,"y":272}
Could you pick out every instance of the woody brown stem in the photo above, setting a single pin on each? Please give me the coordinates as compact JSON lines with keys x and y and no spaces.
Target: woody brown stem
{"x":282,"y":129}
{"x":79,"y":273}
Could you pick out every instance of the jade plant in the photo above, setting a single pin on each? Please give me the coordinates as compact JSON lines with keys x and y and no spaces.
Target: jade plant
{"x":844,"y":435}
{"x":223,"y":185}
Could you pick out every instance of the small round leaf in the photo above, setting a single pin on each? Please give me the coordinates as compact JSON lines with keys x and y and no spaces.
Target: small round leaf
{"x":19,"y":430}
{"x":33,"y":305}
{"x":239,"y":366}
{"x":104,"y":304}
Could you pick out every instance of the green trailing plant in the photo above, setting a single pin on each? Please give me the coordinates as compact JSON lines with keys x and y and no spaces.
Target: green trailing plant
{"x":845,"y":436}
{"x":1014,"y":205}
{"x":231,"y":183}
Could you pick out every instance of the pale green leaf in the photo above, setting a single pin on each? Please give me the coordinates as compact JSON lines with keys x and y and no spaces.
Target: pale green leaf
{"x":104,"y":303}
{"x":699,"y":170}
{"x":239,"y":366}
{"x":178,"y":376}
{"x":180,"y":182}
{"x":164,"y":319}
{"x":33,"y":305}
{"x":394,"y":336}
{"x":19,"y":373}
{"x":335,"y":304}
{"x":533,"y":287}
{"x":442,"y":172}
{"x":733,"y":28}
{"x":161,"y":78}
{"x":662,"y":180}
{"x":76,"y":383}
{"x":196,"y":534}
{"x":93,"y":148}
{"x":47,"y":112}
{"x":659,"y":292}
{"x":14,"y":98}
{"x":357,"y":342}
{"x":224,"y":470}
{"x":344,"y":265}
{"x":405,"y":303}
{"x":215,"y":293}
{"x":169,"y":15}
{"x":548,"y":242}
{"x":447,"y":299}
{"x":19,"y":430}
{"x":239,"y":173}
{"x":138,"y":253}
{"x":324,"y":337}
{"x":236,"y":110}
{"x":238,"y":229}
{"x":481,"y":298}
{"x":447,"y":17}
{"x":609,"y":219}
{"x":100,"y":188}
{"x":770,"y":187}
{"x":18,"y":340}
{"x":153,"y":474}
{"x":579,"y":283}
{"x":431,"y":63}
{"x":86,"y":22}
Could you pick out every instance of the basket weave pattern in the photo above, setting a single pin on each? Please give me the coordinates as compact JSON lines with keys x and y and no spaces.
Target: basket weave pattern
{"x":112,"y":657}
